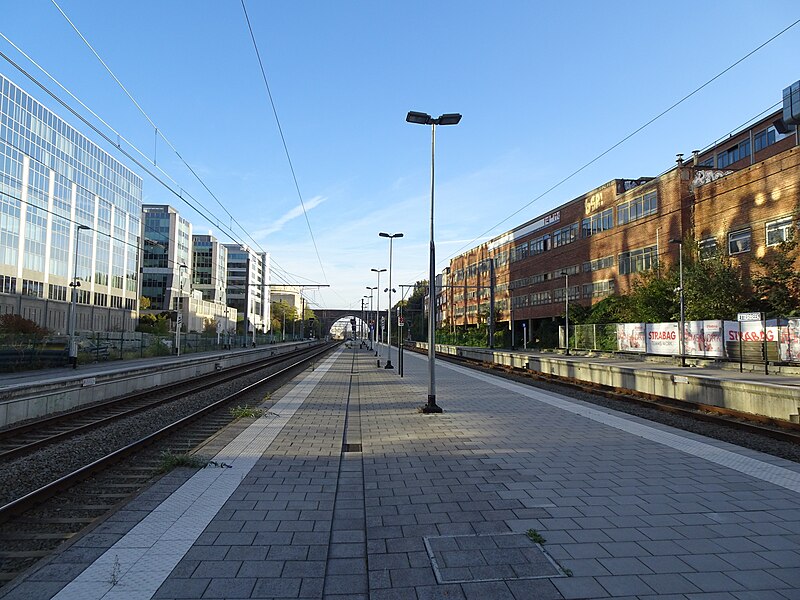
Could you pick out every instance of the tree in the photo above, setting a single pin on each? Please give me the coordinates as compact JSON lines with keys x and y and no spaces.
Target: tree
{"x":144,"y":303}
{"x":777,"y":285}
{"x":282,"y":312}
{"x":653,"y":298}
{"x":713,"y":288}
{"x":209,"y":327}
{"x":18,"y":324}
{"x":155,"y":324}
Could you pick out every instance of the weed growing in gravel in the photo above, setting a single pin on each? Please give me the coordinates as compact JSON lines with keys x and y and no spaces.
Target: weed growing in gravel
{"x":170,"y":460}
{"x":116,"y":568}
{"x":246,"y":412}
{"x":536,"y":536}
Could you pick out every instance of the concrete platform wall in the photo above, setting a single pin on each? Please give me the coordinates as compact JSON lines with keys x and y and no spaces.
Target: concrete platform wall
{"x":776,"y":401}
{"x":41,"y":398}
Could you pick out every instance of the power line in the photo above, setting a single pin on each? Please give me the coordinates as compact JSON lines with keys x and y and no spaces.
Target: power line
{"x":629,"y":136}
{"x":158,"y":131}
{"x":283,"y":139}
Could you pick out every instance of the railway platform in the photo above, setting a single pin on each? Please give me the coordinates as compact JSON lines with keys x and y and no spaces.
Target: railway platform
{"x":344,"y":490}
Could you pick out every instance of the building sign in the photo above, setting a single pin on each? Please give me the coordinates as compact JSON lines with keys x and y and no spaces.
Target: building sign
{"x":704,"y":176}
{"x":624,"y":185}
{"x":593,"y":202}
{"x":630,"y":337}
{"x":704,"y":338}
{"x":523,"y":231}
{"x":662,"y":338}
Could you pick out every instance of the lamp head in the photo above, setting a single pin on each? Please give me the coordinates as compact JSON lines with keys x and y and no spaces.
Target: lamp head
{"x":419,"y":118}
{"x":675,"y":241}
{"x":449,"y":119}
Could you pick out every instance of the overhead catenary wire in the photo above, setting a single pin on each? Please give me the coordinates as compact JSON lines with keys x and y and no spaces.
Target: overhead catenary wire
{"x":627,"y":137}
{"x":283,"y":138}
{"x":180,"y":193}
{"x":157,"y":131}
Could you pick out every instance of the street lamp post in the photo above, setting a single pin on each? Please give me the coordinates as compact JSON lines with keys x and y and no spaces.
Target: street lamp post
{"x":378,"y":314}
{"x":372,"y":331}
{"x":420,"y":118}
{"x":682,"y":332}
{"x":391,"y":237}
{"x":179,"y":306}
{"x":566,"y":309}
{"x":75,"y":284}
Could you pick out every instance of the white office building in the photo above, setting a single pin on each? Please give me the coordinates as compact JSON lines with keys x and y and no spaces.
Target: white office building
{"x":69,"y":212}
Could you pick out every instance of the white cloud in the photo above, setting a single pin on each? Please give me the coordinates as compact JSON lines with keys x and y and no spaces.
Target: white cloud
{"x":290,"y":215}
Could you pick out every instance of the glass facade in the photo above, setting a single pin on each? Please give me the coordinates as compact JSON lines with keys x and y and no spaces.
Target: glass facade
{"x":52,"y":180}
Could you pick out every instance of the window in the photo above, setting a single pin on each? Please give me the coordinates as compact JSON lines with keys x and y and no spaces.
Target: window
{"x":32,"y":288}
{"x":707,"y":248}
{"x":57,"y":292}
{"x":571,"y":270}
{"x":601,"y":221}
{"x":739,"y":241}
{"x":565,"y":235}
{"x":8,"y":285}
{"x":709,"y":162}
{"x":731,"y":155}
{"x":600,"y":263}
{"x":766,"y":137}
{"x":779,"y":231}
{"x":574,"y":293}
{"x":538,"y":298}
{"x":637,"y":261}
{"x":519,"y":252}
{"x":540,"y":245}
{"x":598,"y":288}
{"x":637,"y":208}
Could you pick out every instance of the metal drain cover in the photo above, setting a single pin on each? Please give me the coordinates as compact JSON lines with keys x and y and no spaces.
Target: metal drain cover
{"x":496,"y":557}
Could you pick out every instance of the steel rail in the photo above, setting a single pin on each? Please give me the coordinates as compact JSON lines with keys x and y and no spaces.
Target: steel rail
{"x":214,"y":378}
{"x":36,"y":497}
{"x":786,"y":431}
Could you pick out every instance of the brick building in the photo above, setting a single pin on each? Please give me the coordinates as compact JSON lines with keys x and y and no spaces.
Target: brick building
{"x":738,"y":196}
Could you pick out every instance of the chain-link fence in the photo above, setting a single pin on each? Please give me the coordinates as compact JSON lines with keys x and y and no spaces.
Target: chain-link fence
{"x":594,"y":336}
{"x":23,"y":352}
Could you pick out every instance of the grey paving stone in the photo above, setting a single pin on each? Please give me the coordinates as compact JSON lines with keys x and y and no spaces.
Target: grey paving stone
{"x":346,"y":584}
{"x":573,"y":588}
{"x":625,"y":585}
{"x":182,"y":588}
{"x":493,"y":590}
{"x":276,"y":587}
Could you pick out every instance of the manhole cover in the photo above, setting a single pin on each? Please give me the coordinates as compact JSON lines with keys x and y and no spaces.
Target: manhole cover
{"x":497,"y":557}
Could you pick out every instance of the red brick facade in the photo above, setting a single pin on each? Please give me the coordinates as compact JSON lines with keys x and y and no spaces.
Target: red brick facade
{"x":603,"y":238}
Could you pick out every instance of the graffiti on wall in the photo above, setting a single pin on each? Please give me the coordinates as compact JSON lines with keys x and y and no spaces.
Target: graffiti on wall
{"x":707,"y":176}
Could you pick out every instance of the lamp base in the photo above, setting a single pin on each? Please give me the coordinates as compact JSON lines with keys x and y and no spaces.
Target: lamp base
{"x":431,"y":407}
{"x":388,"y":365}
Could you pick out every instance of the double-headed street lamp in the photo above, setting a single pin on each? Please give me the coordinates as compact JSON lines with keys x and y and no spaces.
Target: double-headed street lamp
{"x":75,"y":284}
{"x":391,"y":237}
{"x":378,"y":313}
{"x":179,"y":306}
{"x":372,"y":331}
{"x":682,"y":332}
{"x":420,"y":118}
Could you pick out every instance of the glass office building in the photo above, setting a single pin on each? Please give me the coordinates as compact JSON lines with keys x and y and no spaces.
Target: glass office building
{"x":68,"y":210}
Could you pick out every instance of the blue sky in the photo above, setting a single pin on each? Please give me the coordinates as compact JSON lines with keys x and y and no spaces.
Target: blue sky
{"x":543,"y":89}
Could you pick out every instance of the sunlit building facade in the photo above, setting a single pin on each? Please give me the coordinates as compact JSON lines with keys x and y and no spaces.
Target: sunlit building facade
{"x":68,"y":210}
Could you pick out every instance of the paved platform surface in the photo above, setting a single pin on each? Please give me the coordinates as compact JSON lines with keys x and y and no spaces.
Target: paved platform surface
{"x":343,"y":490}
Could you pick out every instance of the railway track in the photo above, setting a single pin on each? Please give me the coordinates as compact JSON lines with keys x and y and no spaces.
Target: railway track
{"x":34,"y":524}
{"x":22,"y":439}
{"x":747,"y":423}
